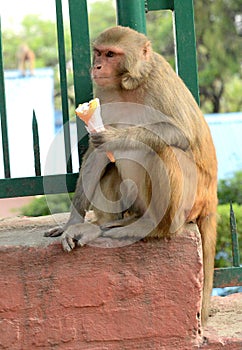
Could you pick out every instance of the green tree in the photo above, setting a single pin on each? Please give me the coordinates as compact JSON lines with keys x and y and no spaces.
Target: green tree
{"x":102,"y":15}
{"x":46,"y":205}
{"x":219,"y":51}
{"x":230,"y":190}
{"x":41,"y":37}
{"x":11,"y":42}
{"x":218,"y":47}
{"x":159,"y":30}
{"x":231,"y":100}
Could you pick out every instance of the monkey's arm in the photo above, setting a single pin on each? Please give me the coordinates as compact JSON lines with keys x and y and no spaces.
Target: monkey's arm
{"x":154,"y":135}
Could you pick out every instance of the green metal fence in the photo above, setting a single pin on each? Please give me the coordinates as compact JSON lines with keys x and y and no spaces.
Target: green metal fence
{"x":129,"y":13}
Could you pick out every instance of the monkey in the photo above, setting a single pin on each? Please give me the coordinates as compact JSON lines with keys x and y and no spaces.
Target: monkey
{"x":165,"y":169}
{"x":26,"y":58}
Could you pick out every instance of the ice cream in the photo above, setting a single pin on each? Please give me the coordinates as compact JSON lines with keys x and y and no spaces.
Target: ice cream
{"x":90,"y":113}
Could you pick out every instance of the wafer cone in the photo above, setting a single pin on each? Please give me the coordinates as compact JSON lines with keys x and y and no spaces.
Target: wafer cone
{"x":90,"y":113}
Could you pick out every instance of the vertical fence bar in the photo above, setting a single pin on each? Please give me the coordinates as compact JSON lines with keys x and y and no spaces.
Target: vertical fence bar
{"x":154,"y":5}
{"x":3,"y":115}
{"x":132,"y":14}
{"x":185,"y":44}
{"x":81,"y":64}
{"x":63,"y":81}
{"x":234,"y":237}
{"x":36,"y":147}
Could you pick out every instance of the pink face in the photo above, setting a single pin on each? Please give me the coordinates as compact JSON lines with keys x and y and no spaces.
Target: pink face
{"x":106,"y":66}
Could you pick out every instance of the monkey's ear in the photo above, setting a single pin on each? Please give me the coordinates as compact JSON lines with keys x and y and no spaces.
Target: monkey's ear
{"x":138,"y":68}
{"x":147,"y":51}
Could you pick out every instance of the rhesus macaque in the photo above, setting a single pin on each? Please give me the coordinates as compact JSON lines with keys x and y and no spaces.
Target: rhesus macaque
{"x":165,"y":173}
{"x":26,"y":59}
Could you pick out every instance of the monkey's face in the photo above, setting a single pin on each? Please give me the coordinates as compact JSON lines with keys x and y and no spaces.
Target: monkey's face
{"x":107,"y":66}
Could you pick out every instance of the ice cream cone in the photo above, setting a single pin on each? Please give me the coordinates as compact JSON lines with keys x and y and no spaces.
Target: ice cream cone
{"x":90,"y":113}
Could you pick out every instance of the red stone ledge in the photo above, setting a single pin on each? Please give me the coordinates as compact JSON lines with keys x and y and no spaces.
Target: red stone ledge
{"x":143,"y":296}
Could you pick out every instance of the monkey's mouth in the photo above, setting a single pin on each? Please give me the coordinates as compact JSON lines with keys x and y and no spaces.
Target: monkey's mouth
{"x":98,"y":78}
{"x":106,"y":80}
{"x":98,"y":75}
{"x":95,"y":77}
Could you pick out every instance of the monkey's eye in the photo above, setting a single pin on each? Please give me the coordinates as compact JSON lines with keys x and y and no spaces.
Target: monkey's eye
{"x":110,"y":54}
{"x":97,"y":52}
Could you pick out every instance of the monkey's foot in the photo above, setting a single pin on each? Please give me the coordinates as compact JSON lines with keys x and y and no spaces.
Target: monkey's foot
{"x":119,"y":223}
{"x":54,"y":232}
{"x":79,"y":235}
{"x":113,"y":236}
{"x":119,"y":236}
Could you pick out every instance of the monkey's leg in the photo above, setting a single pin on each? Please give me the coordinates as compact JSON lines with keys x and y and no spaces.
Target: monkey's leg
{"x":129,"y":184}
{"x":31,"y":63}
{"x":117,"y":194}
{"x":79,"y":235}
{"x":207,"y":227}
{"x":22,"y":66}
{"x":79,"y":201}
{"x":107,"y":202}
{"x":124,"y":235}
{"x":93,"y":167}
{"x":119,"y":223}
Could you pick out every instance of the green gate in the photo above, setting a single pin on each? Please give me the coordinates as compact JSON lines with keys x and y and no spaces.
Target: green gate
{"x":129,"y":13}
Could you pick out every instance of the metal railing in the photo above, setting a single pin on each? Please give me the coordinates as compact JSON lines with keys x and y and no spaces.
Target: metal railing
{"x":230,"y":276}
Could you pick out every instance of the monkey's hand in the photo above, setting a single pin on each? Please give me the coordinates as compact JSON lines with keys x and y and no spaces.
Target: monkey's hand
{"x":79,"y":235}
{"x":111,"y":134}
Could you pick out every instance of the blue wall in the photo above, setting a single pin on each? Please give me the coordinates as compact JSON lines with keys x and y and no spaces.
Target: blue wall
{"x":23,"y":94}
{"x":226,"y":130}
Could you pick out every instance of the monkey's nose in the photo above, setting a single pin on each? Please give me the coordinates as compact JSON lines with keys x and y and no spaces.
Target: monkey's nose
{"x":98,"y":66}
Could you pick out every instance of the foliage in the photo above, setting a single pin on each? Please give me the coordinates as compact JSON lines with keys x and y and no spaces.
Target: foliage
{"x":219,"y":69}
{"x":219,"y":52}
{"x":37,"y":207}
{"x":102,"y":15}
{"x":39,"y":35}
{"x":159,"y":30}
{"x":231,"y":101}
{"x":224,"y":245}
{"x":46,"y":205}
{"x":230,"y":190}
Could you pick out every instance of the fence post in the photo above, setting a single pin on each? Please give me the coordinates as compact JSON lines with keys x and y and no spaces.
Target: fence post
{"x":81,"y":64}
{"x":185,"y":44}
{"x":36,"y":147}
{"x":132,"y":14}
{"x":3,"y":115}
{"x":234,"y":237}
{"x":64,"y":87}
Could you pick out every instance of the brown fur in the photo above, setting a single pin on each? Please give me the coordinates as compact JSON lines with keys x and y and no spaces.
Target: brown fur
{"x":125,"y":69}
{"x":26,"y":59}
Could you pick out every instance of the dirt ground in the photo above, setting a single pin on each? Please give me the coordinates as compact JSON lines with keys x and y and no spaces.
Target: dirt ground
{"x":226,"y":317}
